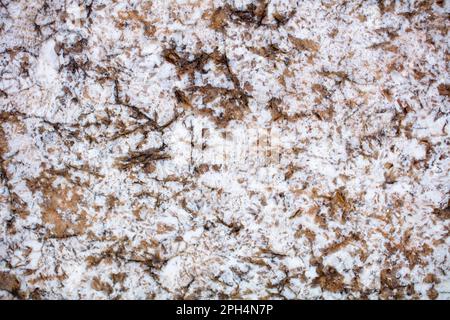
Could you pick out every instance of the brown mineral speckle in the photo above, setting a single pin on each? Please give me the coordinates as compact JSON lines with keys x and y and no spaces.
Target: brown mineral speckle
{"x":224,"y":149}
{"x":9,"y":282}
{"x":444,"y":89}
{"x":219,"y":18}
{"x":329,"y":279}
{"x":304,"y":44}
{"x":432,"y":294}
{"x":99,"y":285}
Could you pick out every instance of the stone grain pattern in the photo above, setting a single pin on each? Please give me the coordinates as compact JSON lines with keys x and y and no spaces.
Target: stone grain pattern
{"x":113,"y":112}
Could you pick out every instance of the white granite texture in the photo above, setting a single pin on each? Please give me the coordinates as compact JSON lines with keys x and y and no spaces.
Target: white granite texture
{"x":210,"y":149}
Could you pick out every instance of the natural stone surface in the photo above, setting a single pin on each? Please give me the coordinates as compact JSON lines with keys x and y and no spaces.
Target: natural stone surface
{"x":224,"y":149}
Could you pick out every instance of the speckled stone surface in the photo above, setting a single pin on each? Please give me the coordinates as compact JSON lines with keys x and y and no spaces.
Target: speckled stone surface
{"x":224,"y":149}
